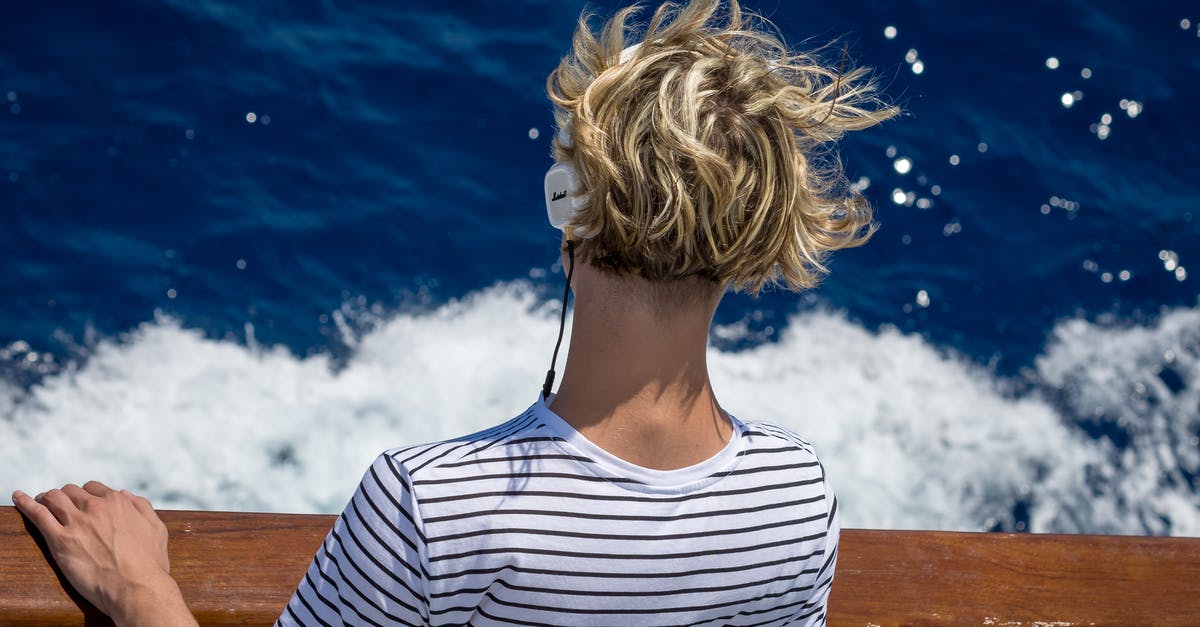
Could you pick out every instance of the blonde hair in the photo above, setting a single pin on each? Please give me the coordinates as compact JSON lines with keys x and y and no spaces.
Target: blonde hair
{"x":705,"y":153}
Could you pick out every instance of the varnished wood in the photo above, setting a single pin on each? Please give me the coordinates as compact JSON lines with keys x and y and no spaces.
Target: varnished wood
{"x":233,"y":568}
{"x":941,"y":578}
{"x":240,"y":569}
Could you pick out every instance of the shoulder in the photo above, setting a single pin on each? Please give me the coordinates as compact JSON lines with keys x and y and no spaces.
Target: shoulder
{"x":786,"y":450}
{"x":424,"y":462}
{"x":766,"y":435}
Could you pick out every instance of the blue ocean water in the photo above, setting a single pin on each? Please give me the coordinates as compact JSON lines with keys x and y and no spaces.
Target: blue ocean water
{"x":218,"y":218}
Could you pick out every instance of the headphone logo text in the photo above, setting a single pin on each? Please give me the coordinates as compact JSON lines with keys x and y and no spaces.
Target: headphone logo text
{"x":558,"y":195}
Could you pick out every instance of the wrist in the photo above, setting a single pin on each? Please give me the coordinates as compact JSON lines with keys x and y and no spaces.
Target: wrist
{"x":153,"y":602}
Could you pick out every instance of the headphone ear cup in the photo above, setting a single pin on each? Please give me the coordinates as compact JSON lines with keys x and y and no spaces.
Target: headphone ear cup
{"x":562,"y":194}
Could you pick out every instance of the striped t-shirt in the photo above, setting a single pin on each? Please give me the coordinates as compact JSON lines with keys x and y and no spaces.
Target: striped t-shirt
{"x":529,"y":523}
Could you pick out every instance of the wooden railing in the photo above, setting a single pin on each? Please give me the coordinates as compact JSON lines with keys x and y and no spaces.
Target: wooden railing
{"x":240,"y":569}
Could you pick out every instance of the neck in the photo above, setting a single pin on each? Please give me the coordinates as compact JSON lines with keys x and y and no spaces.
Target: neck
{"x":636,"y":382}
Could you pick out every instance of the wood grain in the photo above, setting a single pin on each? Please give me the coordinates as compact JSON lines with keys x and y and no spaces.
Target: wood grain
{"x":240,"y":569}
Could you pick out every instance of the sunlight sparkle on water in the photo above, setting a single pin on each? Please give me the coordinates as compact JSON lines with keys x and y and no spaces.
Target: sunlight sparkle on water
{"x":1064,"y":203}
{"x":1052,"y":63}
{"x":1171,"y":263}
{"x":1170,"y":260}
{"x":903,"y":165}
{"x":890,"y":32}
{"x":1068,"y":99}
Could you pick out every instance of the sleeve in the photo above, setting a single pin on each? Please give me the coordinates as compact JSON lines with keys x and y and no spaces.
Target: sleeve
{"x":370,"y":569}
{"x":815,"y":610}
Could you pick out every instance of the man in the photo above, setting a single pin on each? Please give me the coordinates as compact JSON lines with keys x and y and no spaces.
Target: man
{"x":686,"y":164}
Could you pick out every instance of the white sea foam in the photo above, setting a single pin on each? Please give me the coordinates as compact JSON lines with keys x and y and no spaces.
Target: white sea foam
{"x":913,"y":437}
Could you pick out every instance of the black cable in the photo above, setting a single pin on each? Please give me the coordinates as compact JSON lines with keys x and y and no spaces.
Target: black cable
{"x":562,"y":321}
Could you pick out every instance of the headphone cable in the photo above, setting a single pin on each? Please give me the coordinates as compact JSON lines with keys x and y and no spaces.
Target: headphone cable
{"x":562,"y":320}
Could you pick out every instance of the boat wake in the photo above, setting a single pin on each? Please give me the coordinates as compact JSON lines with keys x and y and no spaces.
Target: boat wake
{"x":1102,"y":434}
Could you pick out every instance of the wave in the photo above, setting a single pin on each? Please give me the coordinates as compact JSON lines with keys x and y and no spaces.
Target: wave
{"x":1101,"y":436}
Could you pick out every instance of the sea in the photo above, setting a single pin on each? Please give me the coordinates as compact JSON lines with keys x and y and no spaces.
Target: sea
{"x":245,"y":247}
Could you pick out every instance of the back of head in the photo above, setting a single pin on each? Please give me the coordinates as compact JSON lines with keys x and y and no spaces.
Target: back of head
{"x":705,"y":151}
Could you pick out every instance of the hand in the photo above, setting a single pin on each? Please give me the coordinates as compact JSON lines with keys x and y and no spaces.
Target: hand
{"x":112,"y":547}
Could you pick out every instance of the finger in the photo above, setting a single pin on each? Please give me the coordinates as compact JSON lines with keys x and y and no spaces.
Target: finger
{"x":95,"y":488}
{"x":37,"y":514}
{"x":78,"y":495}
{"x":59,"y":504}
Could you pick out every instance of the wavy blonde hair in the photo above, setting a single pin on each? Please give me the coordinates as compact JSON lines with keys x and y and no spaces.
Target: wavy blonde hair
{"x":706,"y":153}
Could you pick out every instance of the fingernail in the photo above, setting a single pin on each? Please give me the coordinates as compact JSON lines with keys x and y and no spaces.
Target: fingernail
{"x":17,"y":494}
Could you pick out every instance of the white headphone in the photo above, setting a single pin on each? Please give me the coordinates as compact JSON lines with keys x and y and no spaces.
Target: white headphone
{"x":564,"y":193}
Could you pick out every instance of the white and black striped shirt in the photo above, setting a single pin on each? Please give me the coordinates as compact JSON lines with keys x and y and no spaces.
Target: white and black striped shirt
{"x":529,"y":523}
